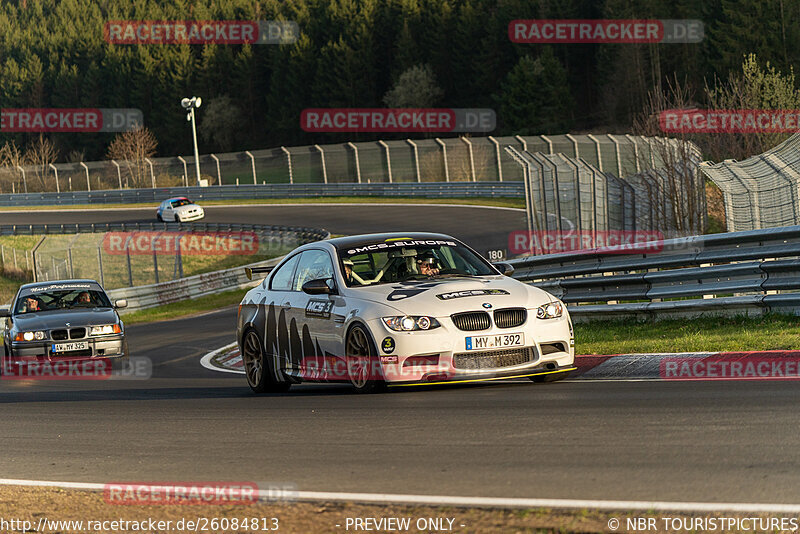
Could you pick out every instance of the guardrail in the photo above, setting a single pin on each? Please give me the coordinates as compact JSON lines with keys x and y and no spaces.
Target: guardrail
{"x":267,"y":191}
{"x":751,"y":272}
{"x":199,"y":285}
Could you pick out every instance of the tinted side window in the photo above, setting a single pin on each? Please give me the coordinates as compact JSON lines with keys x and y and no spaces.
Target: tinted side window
{"x":282,"y":278}
{"x":314,"y":264}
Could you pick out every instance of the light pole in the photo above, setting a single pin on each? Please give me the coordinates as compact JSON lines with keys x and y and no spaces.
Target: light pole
{"x":190,"y":104}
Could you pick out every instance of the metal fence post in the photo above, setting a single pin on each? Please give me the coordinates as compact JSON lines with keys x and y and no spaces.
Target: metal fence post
{"x":549,"y":143}
{"x":324,"y":167}
{"x":71,"y":265}
{"x":635,"y":151}
{"x":619,"y":156}
{"x":185,"y":172}
{"x":574,"y":145}
{"x":358,"y":165}
{"x":86,"y":168}
{"x":130,"y":271}
{"x":24,"y":180}
{"x":471,"y":157}
{"x":153,"y":175}
{"x":155,"y":263}
{"x":522,"y":141}
{"x":444,"y":158}
{"x":599,"y":155}
{"x":58,"y":187}
{"x":100,"y":264}
{"x":289,"y":160}
{"x":388,"y":159}
{"x":416,"y":158}
{"x":219,"y":174}
{"x":499,"y":162}
{"x":119,"y":173}
{"x":253,"y":164}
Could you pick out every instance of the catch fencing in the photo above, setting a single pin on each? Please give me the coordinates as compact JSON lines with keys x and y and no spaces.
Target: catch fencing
{"x":566,"y":195}
{"x":751,"y":272}
{"x":135,"y":254}
{"x":762,"y":191}
{"x":459,"y":159}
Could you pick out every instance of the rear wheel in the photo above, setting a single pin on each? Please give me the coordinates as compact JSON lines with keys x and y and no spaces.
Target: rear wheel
{"x":362,"y":364}
{"x":258,"y":366}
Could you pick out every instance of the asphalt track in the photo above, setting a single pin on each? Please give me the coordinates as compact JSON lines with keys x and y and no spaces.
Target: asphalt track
{"x":727,"y":441}
{"x":483,"y":228}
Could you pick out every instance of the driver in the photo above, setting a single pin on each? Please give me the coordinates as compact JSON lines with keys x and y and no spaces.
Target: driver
{"x":31,"y":304}
{"x":426,"y":264}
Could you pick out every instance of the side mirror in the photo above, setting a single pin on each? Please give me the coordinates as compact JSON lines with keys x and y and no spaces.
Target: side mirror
{"x":5,"y":312}
{"x":504,"y":268}
{"x":121,"y":303}
{"x":317,"y":287}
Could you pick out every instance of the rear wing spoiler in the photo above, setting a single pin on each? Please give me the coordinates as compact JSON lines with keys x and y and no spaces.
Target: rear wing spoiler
{"x":250,"y":271}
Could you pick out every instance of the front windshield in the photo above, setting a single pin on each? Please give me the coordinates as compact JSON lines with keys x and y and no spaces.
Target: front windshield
{"x":61,"y":300}
{"x":414,"y":262}
{"x":181,"y":202}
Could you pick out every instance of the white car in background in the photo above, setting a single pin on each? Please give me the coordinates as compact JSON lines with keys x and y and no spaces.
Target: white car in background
{"x":398,"y":309}
{"x":179,"y":209}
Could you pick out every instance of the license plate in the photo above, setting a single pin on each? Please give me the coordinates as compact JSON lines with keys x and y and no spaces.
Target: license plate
{"x":516,"y":339}
{"x":67,"y":347}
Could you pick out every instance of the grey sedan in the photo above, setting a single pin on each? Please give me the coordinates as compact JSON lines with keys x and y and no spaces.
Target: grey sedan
{"x":64,"y":319}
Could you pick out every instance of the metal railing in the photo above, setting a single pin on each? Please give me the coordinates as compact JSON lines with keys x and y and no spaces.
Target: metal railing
{"x":749,"y":272}
{"x":458,"y":159}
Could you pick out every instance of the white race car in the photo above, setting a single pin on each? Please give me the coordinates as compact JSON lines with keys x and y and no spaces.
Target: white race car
{"x":179,"y":209}
{"x":396,"y":310}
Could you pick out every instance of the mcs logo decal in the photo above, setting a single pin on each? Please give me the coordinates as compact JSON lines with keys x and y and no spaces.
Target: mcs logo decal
{"x":319,"y":308}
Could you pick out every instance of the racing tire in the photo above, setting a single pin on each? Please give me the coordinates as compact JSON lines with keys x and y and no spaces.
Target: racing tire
{"x":362,"y":361}
{"x":258,"y":367}
{"x":550,"y":377}
{"x":158,"y":216}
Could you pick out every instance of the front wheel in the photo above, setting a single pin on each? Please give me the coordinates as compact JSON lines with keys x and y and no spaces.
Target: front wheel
{"x":258,"y":367}
{"x":363,"y":368}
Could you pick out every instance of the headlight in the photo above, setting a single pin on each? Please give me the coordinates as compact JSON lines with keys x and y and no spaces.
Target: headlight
{"x":30,"y":336}
{"x":550,"y":310}
{"x":105,"y":330}
{"x":407,"y":323}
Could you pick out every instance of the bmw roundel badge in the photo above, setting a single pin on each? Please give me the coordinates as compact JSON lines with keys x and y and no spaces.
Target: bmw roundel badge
{"x":487,"y":305}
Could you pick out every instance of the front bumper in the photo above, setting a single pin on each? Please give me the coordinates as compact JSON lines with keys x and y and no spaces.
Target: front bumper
{"x":191,"y":217}
{"x":99,"y":347}
{"x":441,"y":354}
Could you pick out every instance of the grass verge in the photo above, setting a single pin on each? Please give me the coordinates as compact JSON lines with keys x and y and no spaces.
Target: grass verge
{"x":467,"y":201}
{"x":185,"y":308}
{"x":712,"y":334}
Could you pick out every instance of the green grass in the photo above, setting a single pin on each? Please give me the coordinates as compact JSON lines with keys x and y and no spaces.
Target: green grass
{"x":768,"y":332}
{"x":186,"y":307}
{"x":468,"y":201}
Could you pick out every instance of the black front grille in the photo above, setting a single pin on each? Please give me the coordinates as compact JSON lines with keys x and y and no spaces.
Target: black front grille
{"x":58,"y":335}
{"x":492,"y":359}
{"x":510,"y":317}
{"x":471,"y":321}
{"x":77,"y":333}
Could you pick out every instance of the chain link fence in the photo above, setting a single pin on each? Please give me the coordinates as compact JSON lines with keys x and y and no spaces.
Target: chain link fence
{"x":454,"y":159}
{"x":762,"y":191}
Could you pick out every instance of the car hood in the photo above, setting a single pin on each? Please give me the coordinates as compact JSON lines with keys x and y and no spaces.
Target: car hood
{"x":444,"y":296}
{"x":49,"y":320}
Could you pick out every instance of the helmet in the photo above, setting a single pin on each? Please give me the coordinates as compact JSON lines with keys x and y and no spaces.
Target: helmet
{"x":426,"y":257}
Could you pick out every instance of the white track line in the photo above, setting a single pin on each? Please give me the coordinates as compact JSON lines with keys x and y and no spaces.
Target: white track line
{"x":205,"y":361}
{"x":470,"y":502}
